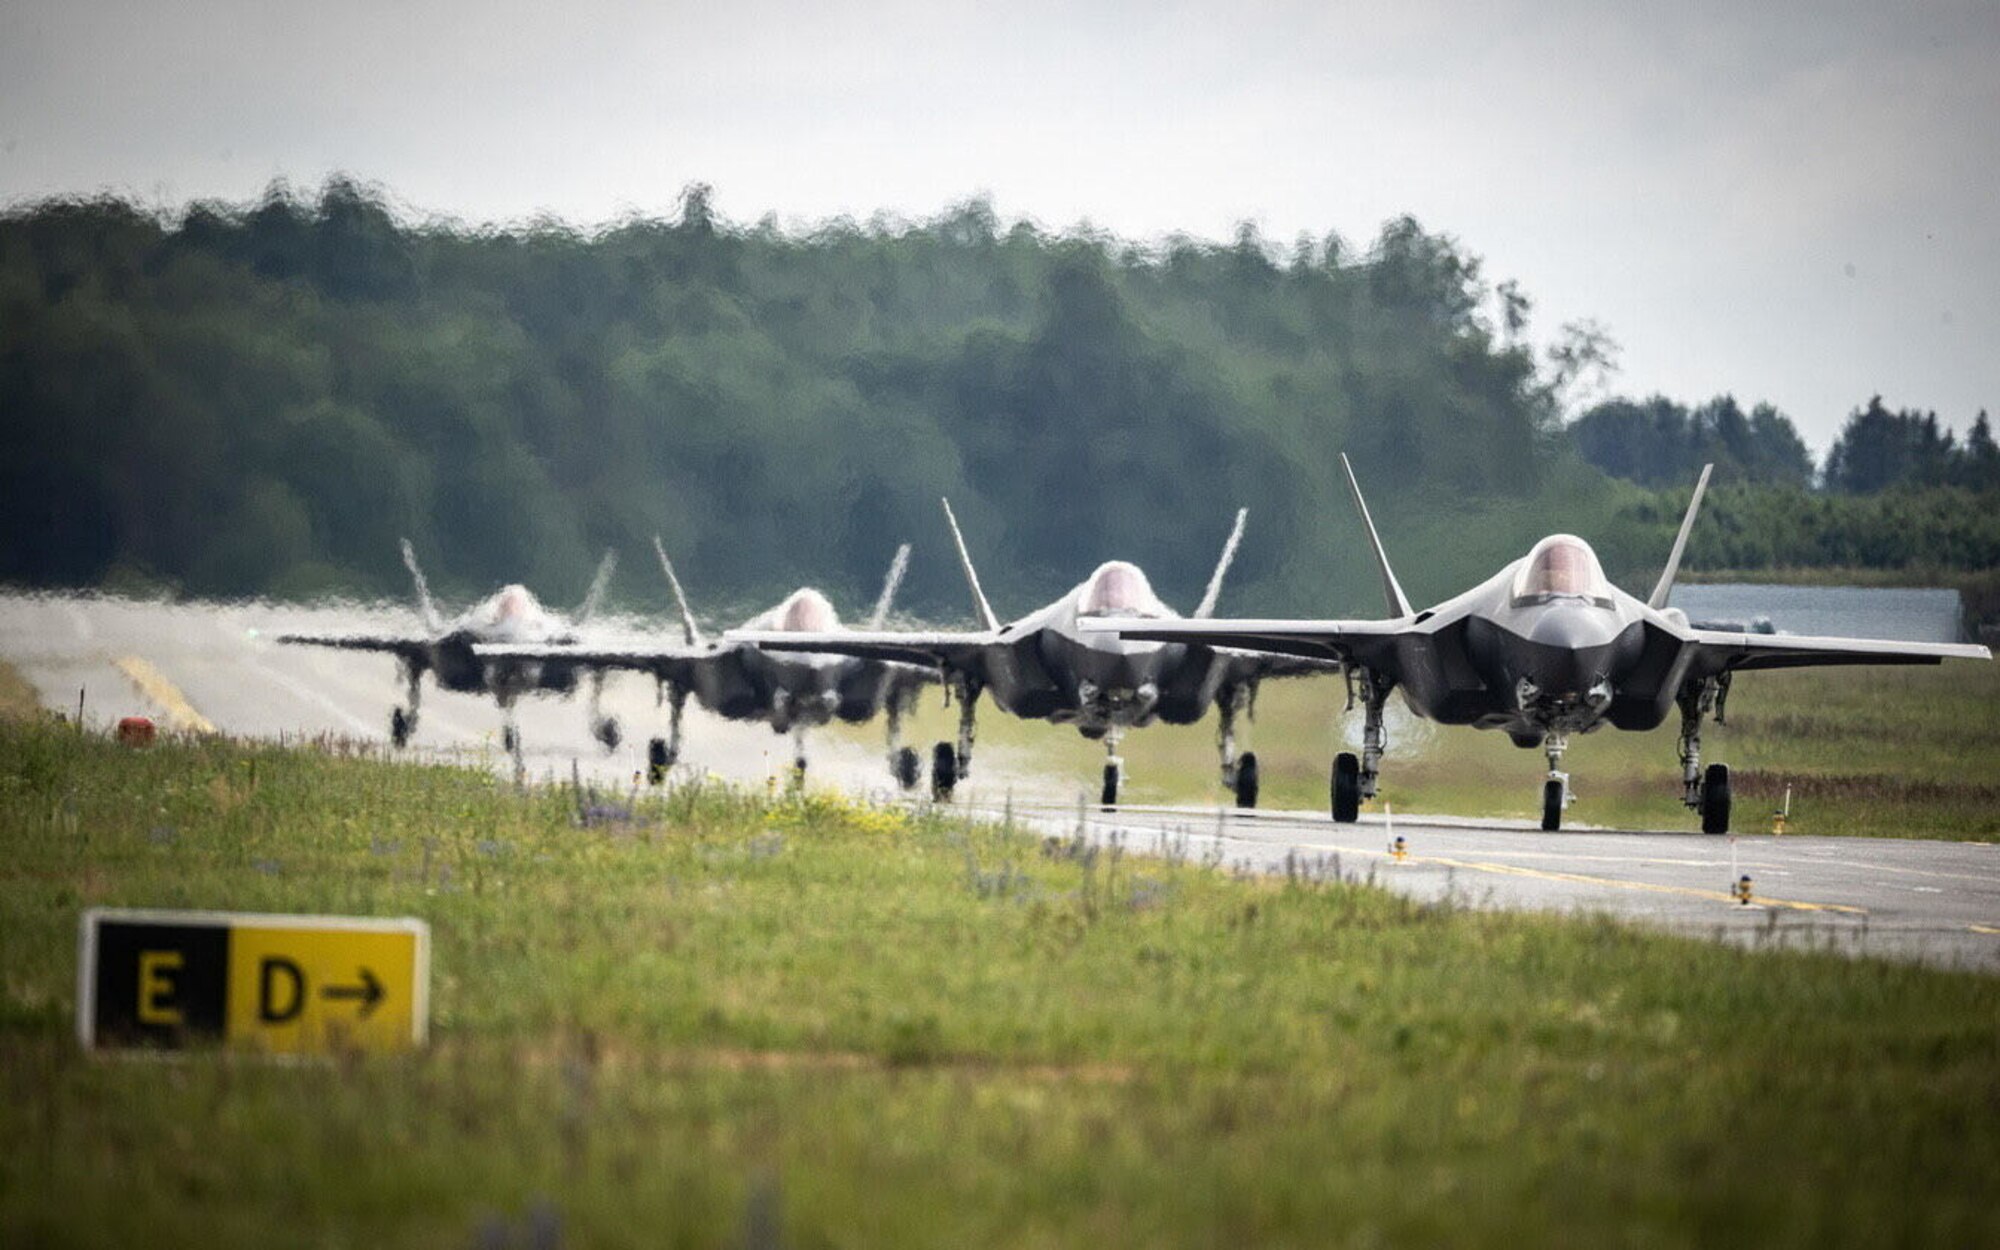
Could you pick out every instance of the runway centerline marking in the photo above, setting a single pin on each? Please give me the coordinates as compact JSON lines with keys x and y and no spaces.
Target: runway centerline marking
{"x":173,"y":705}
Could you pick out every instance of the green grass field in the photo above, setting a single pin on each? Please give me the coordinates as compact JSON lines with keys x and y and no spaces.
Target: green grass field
{"x":726,"y":1019}
{"x":1888,"y":752}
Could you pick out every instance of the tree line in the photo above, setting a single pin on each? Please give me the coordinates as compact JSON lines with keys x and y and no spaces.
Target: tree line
{"x":262,"y":398}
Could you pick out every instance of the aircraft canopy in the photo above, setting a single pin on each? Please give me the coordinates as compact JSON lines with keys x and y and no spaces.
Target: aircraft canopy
{"x":1561,"y":566}
{"x":1119,"y":589}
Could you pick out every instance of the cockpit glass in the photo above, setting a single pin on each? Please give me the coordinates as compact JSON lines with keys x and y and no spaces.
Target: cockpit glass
{"x":1119,"y":589}
{"x":808,"y":613}
{"x":1561,"y":566}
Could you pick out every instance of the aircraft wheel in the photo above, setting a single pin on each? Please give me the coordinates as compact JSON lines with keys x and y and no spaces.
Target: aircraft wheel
{"x":1246,"y":780}
{"x":1346,"y":788}
{"x":909,"y":769}
{"x":400,"y":725}
{"x":608,"y":733}
{"x":944,"y":770}
{"x":1108,"y":797}
{"x":1715,"y":799}
{"x":1552,"y":805}
{"x":658,"y":761}
{"x":510,"y":739}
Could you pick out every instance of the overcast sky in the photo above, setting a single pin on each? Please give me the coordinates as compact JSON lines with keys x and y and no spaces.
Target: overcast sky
{"x":1797,"y":202}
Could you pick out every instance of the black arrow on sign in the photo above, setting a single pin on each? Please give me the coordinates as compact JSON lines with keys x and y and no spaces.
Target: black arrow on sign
{"x":370,"y":992}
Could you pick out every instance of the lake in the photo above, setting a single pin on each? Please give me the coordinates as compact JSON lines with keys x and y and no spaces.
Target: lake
{"x":1912,"y":615}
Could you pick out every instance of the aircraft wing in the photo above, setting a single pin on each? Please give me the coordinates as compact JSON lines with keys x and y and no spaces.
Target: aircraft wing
{"x":403,"y":645}
{"x":672,"y":661}
{"x":1305,"y":639}
{"x":934,"y":649}
{"x":1247,"y":665}
{"x":1721,"y":651}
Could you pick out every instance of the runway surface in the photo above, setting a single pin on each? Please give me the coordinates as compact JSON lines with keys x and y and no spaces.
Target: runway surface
{"x":201,"y":666}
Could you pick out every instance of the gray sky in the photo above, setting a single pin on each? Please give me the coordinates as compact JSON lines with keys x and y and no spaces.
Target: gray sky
{"x":1797,"y":202}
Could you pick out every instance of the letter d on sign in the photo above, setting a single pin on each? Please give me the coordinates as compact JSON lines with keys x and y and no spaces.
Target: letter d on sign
{"x":274,"y":969}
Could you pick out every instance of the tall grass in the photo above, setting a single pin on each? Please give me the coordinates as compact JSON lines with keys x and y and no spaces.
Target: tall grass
{"x":715,"y":1017}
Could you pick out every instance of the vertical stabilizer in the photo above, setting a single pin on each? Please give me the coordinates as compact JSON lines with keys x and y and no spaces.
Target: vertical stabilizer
{"x":425,"y":608}
{"x":1666,"y":586}
{"x":897,"y":567}
{"x":689,"y":630}
{"x":1206,"y":608}
{"x":986,"y":618}
{"x":1392,"y":590}
{"x":595,"y":595}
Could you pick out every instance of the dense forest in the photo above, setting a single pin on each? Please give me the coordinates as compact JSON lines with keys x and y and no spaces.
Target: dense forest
{"x":243,"y":399}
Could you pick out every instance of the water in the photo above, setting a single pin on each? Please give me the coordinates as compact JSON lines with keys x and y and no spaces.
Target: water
{"x":1908,"y":615}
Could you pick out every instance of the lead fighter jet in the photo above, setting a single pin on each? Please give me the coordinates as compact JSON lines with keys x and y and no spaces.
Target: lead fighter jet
{"x":1545,"y":648}
{"x":448,"y":652}
{"x":1046,"y":667}
{"x":790,"y":693}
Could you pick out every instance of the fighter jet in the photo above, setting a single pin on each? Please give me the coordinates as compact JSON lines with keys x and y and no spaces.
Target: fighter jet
{"x":791,"y":693}
{"x":447,"y":651}
{"x":1545,"y":648}
{"x":1045,"y":667}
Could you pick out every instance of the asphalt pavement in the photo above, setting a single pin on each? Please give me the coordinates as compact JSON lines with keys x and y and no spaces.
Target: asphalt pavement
{"x":218,"y":666}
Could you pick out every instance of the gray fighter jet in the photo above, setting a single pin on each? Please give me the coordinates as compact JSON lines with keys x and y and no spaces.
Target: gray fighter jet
{"x":447,"y":652}
{"x":1545,"y":648}
{"x":790,"y":693}
{"x":1045,"y":667}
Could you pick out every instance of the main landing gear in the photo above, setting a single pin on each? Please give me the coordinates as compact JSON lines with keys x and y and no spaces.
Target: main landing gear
{"x":603,"y":728}
{"x":950,"y":765}
{"x":403,"y":721}
{"x":1355,"y":777}
{"x":904,"y":764}
{"x":1704,"y":791}
{"x":1239,"y":773}
{"x":662,"y":753}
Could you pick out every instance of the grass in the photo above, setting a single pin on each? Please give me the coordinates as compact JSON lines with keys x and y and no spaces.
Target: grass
{"x":717,"y":1018}
{"x":1889,"y":752}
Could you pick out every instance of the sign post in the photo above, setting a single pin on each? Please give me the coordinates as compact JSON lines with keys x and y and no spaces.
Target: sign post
{"x":274,"y":984}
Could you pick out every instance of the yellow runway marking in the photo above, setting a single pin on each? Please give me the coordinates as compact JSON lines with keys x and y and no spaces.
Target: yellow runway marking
{"x":1577,"y":878}
{"x":174,"y":707}
{"x":1984,"y":928}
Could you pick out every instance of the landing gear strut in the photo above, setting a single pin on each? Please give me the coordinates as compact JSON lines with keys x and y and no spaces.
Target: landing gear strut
{"x":403,"y":721}
{"x":1355,"y":778}
{"x":1239,"y":773}
{"x":1707,"y":792}
{"x":663,"y":753}
{"x":603,"y":728}
{"x":1114,"y":768}
{"x":904,"y":765}
{"x":949,"y":766}
{"x":1556,"y":794}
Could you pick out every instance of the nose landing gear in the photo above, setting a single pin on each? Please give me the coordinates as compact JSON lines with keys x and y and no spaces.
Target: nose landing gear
{"x":1556,"y":792}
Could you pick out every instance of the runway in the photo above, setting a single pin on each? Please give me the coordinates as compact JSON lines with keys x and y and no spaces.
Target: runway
{"x":208,"y":665}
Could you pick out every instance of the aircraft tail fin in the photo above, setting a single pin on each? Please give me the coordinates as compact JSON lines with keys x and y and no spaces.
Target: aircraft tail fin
{"x":1666,"y":585}
{"x":897,"y":567}
{"x":1392,"y":590}
{"x":986,"y":618}
{"x":425,"y":607}
{"x":595,"y":595}
{"x":690,"y":632}
{"x":1206,"y":608}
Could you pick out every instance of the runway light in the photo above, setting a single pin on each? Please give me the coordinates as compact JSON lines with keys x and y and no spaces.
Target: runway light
{"x":1779,"y":817}
{"x":1399,"y":850}
{"x":1742,"y":890}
